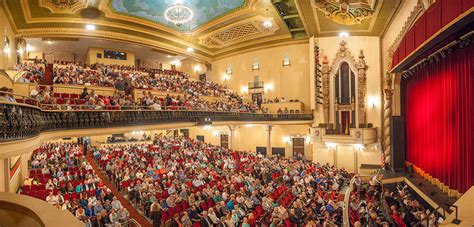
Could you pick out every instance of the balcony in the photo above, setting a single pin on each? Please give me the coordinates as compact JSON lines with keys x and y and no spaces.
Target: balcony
{"x":20,"y":121}
{"x":356,"y":136}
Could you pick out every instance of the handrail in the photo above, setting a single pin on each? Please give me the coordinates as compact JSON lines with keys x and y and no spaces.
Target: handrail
{"x":19,"y":121}
{"x":130,"y":223}
{"x":436,"y":213}
{"x":345,"y":210}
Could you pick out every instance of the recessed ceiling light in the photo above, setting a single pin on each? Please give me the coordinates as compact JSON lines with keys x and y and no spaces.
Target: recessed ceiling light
{"x":190,"y":49}
{"x":49,"y":42}
{"x":343,"y":34}
{"x":90,"y":27}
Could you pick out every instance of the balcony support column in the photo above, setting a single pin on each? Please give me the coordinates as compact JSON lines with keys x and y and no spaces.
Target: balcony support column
{"x":231,"y":136}
{"x":268,"y":128}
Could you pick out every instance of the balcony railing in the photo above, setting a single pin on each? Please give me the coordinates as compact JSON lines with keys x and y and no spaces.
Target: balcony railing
{"x":256,"y":84}
{"x":18,"y":121}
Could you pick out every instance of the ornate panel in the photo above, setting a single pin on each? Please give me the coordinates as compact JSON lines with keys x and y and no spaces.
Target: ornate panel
{"x":328,"y":71}
{"x":346,"y":12}
{"x":63,"y":6}
{"x":238,"y":32}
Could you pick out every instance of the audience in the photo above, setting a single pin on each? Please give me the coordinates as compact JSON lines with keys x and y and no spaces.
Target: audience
{"x":189,"y":182}
{"x":61,"y":176}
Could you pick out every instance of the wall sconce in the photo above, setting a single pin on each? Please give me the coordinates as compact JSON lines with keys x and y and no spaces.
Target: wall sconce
{"x":268,"y":87}
{"x":308,"y":139}
{"x":359,"y":147}
{"x":372,"y":101}
{"x":215,"y":133}
{"x":248,"y":125}
{"x":197,"y":68}
{"x":225,"y":77}
{"x":244,"y":90}
{"x":286,"y":139}
{"x":207,"y":127}
{"x":331,"y":146}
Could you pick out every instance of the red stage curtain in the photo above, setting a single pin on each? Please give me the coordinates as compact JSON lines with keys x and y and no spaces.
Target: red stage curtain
{"x":439,"y":114}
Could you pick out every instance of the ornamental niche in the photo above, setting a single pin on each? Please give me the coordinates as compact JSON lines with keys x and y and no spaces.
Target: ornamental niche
{"x":344,"y":90}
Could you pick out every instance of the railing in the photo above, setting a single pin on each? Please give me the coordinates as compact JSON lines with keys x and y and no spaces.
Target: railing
{"x":256,"y":84}
{"x":130,"y":223}
{"x":18,"y":121}
{"x":437,"y":215}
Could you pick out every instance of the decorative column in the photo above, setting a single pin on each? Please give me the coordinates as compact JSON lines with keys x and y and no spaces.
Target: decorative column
{"x":231,"y":136}
{"x":268,"y":128}
{"x":361,"y":87}
{"x":387,"y":113}
{"x":325,"y":71}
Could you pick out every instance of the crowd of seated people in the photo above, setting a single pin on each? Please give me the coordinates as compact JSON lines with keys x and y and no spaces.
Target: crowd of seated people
{"x":61,"y":176}
{"x":34,"y":72}
{"x":190,"y":183}
{"x":126,"y":78}
{"x":278,"y":100}
{"x":375,"y":205}
{"x":88,"y":99}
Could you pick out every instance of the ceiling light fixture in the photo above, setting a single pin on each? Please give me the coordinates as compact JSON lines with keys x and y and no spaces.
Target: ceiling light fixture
{"x":190,"y":49}
{"x":343,"y":35}
{"x":178,"y":14}
{"x":267,"y":24}
{"x":90,"y":27}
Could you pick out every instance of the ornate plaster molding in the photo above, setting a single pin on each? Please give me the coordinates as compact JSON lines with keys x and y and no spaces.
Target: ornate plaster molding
{"x":360,"y":68}
{"x":63,"y":6}
{"x":417,"y":11}
{"x":345,"y":12}
{"x":245,"y":30}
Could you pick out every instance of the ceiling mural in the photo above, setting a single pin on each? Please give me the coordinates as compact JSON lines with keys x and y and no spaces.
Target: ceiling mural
{"x":204,"y":11}
{"x":346,"y":12}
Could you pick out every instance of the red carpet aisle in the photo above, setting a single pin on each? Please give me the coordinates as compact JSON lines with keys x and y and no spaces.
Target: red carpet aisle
{"x":133,"y":212}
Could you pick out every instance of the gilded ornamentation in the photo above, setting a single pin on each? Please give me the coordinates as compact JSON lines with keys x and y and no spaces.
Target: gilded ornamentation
{"x":388,"y":91}
{"x":344,"y":11}
{"x":345,"y":54}
{"x":361,"y":86}
{"x":325,"y":71}
{"x":63,"y":6}
{"x":251,"y":28}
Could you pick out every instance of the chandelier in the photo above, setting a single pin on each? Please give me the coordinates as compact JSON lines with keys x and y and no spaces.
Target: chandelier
{"x":178,"y":14}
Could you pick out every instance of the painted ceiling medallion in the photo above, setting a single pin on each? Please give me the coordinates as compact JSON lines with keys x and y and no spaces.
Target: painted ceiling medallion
{"x":63,"y":6}
{"x":181,"y":15}
{"x":346,"y":12}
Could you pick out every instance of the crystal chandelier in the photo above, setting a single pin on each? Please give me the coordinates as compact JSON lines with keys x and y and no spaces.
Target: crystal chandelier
{"x":178,"y":14}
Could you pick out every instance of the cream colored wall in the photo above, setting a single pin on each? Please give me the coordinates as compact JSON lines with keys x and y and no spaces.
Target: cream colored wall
{"x":92,"y":57}
{"x":247,"y":138}
{"x":38,"y":55}
{"x":5,"y":81}
{"x":329,"y":46}
{"x":291,"y":82}
{"x":346,"y":156}
{"x":192,"y":67}
{"x":7,"y":61}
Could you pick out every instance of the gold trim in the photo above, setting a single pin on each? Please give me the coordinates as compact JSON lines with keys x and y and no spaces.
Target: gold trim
{"x":434,"y":36}
{"x":110,"y":13}
{"x":81,"y":4}
{"x":75,"y":33}
{"x":256,"y":21}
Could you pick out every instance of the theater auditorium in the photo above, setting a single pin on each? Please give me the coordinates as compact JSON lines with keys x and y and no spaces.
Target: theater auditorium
{"x":236,"y":113}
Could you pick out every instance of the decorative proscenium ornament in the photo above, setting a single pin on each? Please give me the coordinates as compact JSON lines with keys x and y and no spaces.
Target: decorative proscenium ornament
{"x":361,"y":86}
{"x":345,"y":12}
{"x":325,"y":71}
{"x":388,"y":91}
